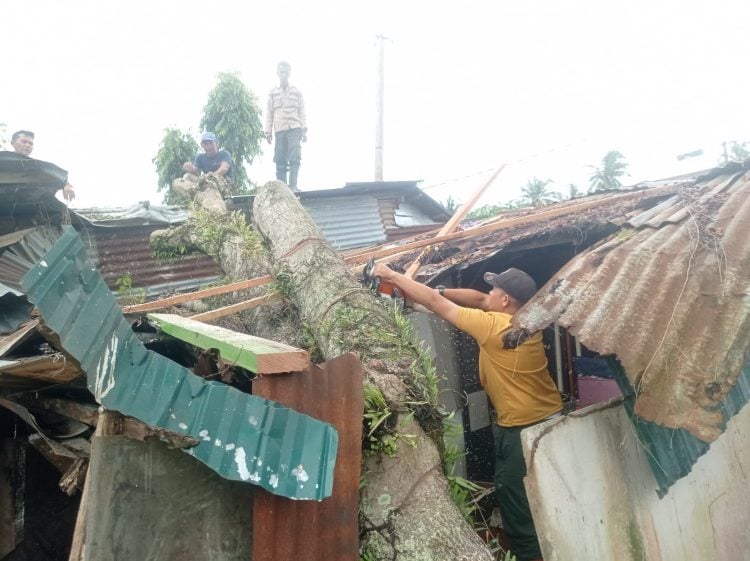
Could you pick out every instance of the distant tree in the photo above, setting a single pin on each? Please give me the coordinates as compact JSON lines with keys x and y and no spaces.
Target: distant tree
{"x":606,"y":176}
{"x":488,"y":211}
{"x":574,"y":191}
{"x":450,"y":205}
{"x":233,"y":114}
{"x":737,"y":152}
{"x":176,"y":148}
{"x":536,"y":193}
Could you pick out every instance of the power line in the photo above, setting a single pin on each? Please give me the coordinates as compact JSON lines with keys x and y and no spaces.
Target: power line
{"x":517,"y":161}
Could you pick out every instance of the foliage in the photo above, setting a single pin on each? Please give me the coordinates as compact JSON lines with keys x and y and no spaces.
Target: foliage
{"x":607,"y":175}
{"x":574,"y":191}
{"x":214,"y":231}
{"x":461,"y":490}
{"x":450,"y":205}
{"x":127,"y":294}
{"x":535,"y":192}
{"x":176,"y":148}
{"x":379,"y":439}
{"x":488,"y":211}
{"x":737,"y":152}
{"x":233,"y":114}
{"x":124,"y":283}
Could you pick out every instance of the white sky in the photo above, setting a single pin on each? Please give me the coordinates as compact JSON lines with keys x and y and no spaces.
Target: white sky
{"x":469,"y":85}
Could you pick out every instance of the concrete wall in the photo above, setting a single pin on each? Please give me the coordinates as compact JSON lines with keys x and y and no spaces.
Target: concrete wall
{"x":593,"y":493}
{"x":437,"y":335}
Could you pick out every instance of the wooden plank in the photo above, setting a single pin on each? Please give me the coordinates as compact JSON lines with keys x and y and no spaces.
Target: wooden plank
{"x":83,"y":412}
{"x":197,"y":295}
{"x":383,"y":251}
{"x":283,"y":530}
{"x":105,"y":427}
{"x":514,"y":222}
{"x":455,"y":220}
{"x":258,"y":355}
{"x":234,"y":308}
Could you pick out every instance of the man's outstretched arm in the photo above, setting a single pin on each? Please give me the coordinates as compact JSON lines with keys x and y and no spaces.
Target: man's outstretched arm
{"x":419,"y":293}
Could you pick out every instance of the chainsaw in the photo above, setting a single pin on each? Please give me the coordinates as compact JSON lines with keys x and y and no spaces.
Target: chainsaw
{"x":380,"y":287}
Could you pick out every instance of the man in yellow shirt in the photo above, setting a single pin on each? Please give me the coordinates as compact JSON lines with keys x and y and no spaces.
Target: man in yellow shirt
{"x":512,"y":370}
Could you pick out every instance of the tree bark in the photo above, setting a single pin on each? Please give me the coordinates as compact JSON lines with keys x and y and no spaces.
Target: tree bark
{"x":407,"y":512}
{"x":230,"y":249}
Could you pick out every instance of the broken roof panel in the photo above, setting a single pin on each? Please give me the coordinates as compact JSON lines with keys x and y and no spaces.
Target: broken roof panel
{"x":241,"y":436}
{"x":671,"y":301}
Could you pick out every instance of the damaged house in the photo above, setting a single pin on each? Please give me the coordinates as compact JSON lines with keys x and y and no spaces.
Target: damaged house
{"x":643,"y":307}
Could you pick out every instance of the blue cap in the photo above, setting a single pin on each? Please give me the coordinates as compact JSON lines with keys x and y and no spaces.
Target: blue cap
{"x":208,"y":137}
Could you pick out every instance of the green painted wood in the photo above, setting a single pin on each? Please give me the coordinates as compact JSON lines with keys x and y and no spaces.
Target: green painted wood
{"x":256,"y":354}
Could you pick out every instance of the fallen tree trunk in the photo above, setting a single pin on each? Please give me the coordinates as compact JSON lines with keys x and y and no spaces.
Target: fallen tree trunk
{"x":407,"y":512}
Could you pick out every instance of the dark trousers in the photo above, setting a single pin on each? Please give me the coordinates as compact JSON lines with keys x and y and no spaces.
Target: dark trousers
{"x":287,"y":155}
{"x":510,"y":469}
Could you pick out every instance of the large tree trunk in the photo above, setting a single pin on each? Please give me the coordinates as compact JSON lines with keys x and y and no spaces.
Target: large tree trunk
{"x":407,"y":512}
{"x":226,"y":237}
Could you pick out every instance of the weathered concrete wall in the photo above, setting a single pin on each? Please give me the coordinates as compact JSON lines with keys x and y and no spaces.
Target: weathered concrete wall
{"x":151,"y":503}
{"x":593,"y":494}
{"x":437,"y":335}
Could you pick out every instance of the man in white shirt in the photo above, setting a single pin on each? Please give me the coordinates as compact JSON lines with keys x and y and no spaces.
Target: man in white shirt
{"x":285,"y":118}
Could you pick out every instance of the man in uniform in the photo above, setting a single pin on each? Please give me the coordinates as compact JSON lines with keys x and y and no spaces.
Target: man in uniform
{"x":512,"y":370}
{"x":285,"y":118}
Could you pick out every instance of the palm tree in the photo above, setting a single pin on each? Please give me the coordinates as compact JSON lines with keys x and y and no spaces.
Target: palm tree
{"x":574,"y":191}
{"x":535,"y":193}
{"x":606,"y":176}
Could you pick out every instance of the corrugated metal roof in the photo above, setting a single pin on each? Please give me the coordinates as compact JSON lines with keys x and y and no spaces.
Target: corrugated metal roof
{"x":347,"y":222}
{"x":126,"y":250}
{"x":136,"y":215}
{"x":671,"y":300}
{"x":27,"y":190}
{"x":333,"y":392}
{"x":242,"y":437}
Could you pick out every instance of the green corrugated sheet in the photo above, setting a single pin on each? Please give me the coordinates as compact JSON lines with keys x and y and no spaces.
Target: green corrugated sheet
{"x":672,"y":452}
{"x":241,"y":437}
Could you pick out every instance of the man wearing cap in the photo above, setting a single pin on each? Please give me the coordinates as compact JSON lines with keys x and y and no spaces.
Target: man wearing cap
{"x":285,"y":117}
{"x":512,"y":370}
{"x":213,"y":160}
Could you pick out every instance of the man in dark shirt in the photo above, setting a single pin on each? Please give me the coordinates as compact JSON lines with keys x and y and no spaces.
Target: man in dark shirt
{"x":23,"y":143}
{"x":213,"y":160}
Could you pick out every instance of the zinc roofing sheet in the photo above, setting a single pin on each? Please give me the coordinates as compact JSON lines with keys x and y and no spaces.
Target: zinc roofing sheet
{"x":348,"y":222}
{"x":671,"y":300}
{"x":242,"y":437}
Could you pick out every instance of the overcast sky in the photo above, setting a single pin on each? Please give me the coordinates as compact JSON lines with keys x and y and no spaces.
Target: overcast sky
{"x":546,"y":86}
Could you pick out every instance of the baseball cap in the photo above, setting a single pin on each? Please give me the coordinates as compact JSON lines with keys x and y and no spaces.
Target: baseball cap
{"x":514,"y":282}
{"x":208,"y":136}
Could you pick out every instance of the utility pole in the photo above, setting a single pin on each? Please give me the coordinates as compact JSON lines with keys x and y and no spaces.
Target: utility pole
{"x":379,"y":109}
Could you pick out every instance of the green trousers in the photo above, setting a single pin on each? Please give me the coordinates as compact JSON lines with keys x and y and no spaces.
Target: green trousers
{"x":510,"y":469}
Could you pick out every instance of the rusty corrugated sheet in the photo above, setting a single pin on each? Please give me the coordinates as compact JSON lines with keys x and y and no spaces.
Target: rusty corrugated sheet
{"x":672,"y":303}
{"x":326,"y":530}
{"x":126,"y":250}
{"x":241,"y":437}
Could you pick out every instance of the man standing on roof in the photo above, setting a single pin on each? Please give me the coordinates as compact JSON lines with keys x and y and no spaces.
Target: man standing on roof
{"x":512,"y":370}
{"x":212,"y":160}
{"x":285,"y":117}
{"x":23,"y":143}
